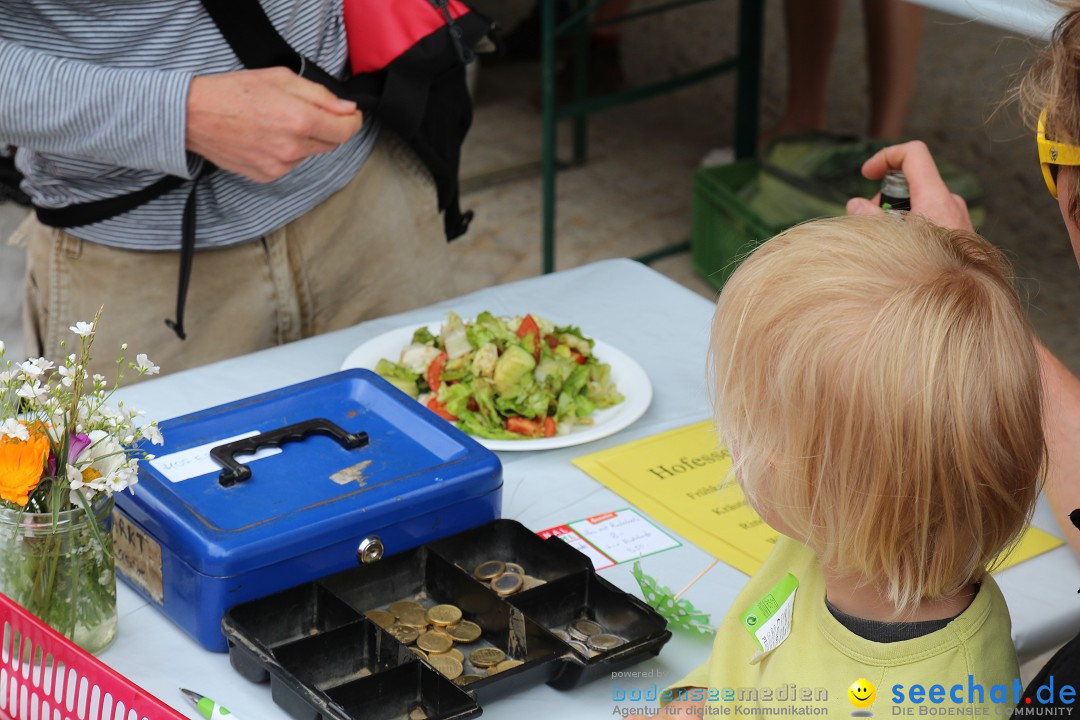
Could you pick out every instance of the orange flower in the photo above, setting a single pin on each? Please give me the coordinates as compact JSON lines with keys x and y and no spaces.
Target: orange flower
{"x":22,"y":464}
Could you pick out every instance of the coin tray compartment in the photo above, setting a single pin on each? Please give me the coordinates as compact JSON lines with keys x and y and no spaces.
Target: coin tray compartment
{"x":399,"y":693}
{"x":423,"y":576}
{"x":510,"y":541}
{"x":293,"y":614}
{"x":557,"y":604}
{"x":313,"y":641}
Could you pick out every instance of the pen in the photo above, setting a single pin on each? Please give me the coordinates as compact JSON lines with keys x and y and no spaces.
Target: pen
{"x":207,"y":707}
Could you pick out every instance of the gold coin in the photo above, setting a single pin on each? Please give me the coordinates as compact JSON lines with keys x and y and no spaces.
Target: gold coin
{"x":507,"y":584}
{"x":466,"y":679}
{"x":414,"y":618}
{"x":528,"y":582}
{"x":434,"y":641}
{"x":464,"y":632}
{"x":454,"y":653}
{"x":381,"y":618}
{"x":507,"y":665}
{"x":419,"y":653}
{"x":585,"y":627}
{"x":489,"y":570}
{"x":604,"y":641}
{"x":580,"y":648}
{"x":404,"y":634}
{"x":448,"y":666}
{"x":443,"y":615}
{"x":402,"y":605}
{"x":514,"y":568}
{"x":487,"y":657}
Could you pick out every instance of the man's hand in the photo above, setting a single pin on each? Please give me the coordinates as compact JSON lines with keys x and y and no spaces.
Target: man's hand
{"x":263,"y":123}
{"x":929,"y":195}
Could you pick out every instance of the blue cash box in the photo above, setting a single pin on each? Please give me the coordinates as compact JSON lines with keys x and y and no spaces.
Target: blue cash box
{"x":347,"y":468}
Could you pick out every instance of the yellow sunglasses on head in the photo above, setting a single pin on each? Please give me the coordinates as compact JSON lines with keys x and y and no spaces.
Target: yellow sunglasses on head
{"x":1053,"y":154}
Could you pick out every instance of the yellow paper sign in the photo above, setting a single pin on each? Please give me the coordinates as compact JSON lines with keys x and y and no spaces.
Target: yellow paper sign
{"x":681,"y":478}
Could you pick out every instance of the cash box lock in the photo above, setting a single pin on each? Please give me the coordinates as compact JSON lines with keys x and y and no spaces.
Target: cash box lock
{"x":371,"y":550}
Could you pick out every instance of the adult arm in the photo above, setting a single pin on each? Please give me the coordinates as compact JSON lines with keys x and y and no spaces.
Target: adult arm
{"x":258,"y":123}
{"x":127,"y":118}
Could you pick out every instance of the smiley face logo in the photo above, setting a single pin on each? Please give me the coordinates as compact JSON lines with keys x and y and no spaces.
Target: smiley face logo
{"x":862,"y":693}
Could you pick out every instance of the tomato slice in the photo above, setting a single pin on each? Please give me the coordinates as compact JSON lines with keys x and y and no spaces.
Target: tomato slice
{"x":578,"y":357}
{"x":434,"y":371}
{"x":439,"y":409}
{"x":529,"y":327}
{"x":549,"y":427}
{"x":523,"y":426}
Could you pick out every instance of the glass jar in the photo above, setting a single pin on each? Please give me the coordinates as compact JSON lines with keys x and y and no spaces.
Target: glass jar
{"x":60,"y":568}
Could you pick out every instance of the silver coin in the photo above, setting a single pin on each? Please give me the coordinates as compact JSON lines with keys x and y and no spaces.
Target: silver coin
{"x":602,"y":642}
{"x":561,"y":634}
{"x":579,"y":648}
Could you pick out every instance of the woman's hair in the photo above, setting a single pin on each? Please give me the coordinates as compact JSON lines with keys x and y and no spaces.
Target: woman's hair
{"x":876,"y":380}
{"x":1052,"y":83}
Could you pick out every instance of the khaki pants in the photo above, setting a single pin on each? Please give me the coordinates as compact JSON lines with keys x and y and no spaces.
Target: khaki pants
{"x":376,"y":247}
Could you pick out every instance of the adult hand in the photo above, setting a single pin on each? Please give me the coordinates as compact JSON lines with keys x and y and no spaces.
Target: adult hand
{"x":929,"y":195}
{"x":263,"y":123}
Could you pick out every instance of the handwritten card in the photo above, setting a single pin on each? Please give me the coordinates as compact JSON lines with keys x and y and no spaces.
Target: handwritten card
{"x":613,"y":538}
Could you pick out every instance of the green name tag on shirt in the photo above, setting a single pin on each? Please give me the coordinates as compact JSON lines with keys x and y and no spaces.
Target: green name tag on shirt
{"x":769,"y":619}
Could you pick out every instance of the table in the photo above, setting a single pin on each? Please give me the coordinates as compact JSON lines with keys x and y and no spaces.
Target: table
{"x":665,"y":327}
{"x":1032,"y":17}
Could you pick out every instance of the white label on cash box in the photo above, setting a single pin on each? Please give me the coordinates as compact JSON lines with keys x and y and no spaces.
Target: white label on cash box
{"x":196,"y":461}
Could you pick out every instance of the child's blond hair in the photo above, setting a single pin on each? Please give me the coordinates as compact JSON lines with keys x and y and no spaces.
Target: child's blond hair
{"x":876,"y":380}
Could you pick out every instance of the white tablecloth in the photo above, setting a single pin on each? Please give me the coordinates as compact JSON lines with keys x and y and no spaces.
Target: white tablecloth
{"x":1028,"y":17}
{"x":664,"y":327}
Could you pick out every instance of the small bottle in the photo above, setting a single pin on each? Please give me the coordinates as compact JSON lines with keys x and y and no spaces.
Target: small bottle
{"x":895,"y":194}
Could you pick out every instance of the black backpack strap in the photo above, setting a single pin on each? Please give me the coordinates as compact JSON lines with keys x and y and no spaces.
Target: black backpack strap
{"x":91,"y":212}
{"x":257,"y":43}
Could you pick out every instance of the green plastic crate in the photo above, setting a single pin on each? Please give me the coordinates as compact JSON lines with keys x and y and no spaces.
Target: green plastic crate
{"x":725,"y":228}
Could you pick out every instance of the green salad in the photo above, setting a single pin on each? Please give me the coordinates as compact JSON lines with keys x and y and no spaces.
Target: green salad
{"x":504,"y":378}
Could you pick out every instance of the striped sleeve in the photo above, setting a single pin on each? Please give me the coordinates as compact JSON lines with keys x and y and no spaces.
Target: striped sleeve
{"x":124,"y":117}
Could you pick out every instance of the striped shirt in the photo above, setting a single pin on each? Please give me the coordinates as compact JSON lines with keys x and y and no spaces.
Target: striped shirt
{"x":94,"y":96}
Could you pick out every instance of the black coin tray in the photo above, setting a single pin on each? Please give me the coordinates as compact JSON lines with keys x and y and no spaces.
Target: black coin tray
{"x":326,"y":661}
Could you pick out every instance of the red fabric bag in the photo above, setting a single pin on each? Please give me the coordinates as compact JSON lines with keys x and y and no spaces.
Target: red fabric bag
{"x":378,"y":31}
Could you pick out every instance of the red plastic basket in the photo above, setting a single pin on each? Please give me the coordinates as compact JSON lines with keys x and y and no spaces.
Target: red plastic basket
{"x":44,"y":676}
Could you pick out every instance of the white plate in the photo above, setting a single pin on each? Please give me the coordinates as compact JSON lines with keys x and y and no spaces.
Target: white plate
{"x":629,"y":377}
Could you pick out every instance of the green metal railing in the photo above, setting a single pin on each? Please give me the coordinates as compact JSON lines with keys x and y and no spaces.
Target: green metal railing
{"x":746,"y":64}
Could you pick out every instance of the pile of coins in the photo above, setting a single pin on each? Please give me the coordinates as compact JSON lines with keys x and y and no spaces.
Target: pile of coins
{"x":505,"y":578}
{"x":588,"y":637}
{"x":432,"y":633}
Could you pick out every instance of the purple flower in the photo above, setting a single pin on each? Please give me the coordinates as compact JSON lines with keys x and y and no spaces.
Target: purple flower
{"x":76,"y":445}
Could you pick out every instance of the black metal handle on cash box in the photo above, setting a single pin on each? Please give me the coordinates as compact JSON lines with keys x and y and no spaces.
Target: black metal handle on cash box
{"x":235,"y":472}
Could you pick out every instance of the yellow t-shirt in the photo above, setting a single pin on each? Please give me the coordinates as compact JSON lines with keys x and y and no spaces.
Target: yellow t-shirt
{"x":818,"y":662}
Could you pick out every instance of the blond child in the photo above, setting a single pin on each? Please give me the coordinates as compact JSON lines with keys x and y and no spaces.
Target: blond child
{"x":876,"y":381}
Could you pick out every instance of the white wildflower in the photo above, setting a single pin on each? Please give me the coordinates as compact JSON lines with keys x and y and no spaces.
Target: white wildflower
{"x":74,"y":477}
{"x":66,"y":378}
{"x":32,"y":392}
{"x":153,"y":434}
{"x":14,"y":429}
{"x":146,"y":365}
{"x":43,"y":364}
{"x":1,"y":347}
{"x":82,"y":329}
{"x":31,"y":369}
